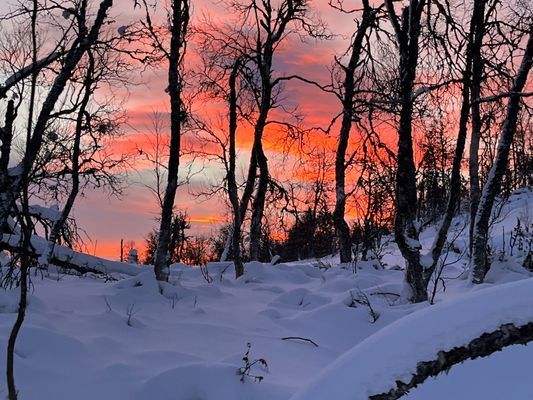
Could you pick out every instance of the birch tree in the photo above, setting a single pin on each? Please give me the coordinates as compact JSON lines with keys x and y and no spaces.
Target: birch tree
{"x":349,"y":91}
{"x":173,"y":53}
{"x":480,"y":264}
{"x":254,"y":37}
{"x":76,"y":38}
{"x":407,"y":31}
{"x":473,"y":51}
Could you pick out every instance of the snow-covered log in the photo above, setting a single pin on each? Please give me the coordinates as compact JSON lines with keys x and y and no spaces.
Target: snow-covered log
{"x":483,"y":346}
{"x":70,"y":259}
{"x":427,"y":342}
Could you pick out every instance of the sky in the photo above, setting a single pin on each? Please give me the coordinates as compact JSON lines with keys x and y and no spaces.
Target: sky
{"x":105,"y":220}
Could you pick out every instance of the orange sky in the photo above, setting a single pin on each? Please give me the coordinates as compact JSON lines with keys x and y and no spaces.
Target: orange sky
{"x":108,"y":220}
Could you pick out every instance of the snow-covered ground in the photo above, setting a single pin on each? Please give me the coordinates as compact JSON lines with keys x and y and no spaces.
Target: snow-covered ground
{"x":85,"y":338}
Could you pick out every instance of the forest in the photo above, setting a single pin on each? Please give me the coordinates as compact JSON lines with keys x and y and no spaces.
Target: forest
{"x":370,"y":164}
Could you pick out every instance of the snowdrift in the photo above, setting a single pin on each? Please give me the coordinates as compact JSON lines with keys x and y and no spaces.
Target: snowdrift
{"x":392,"y":354}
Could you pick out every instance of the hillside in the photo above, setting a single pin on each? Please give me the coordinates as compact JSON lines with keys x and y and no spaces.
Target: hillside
{"x":324,"y":331}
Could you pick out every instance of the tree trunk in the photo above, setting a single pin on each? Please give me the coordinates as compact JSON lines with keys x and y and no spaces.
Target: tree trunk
{"x":258,"y":205}
{"x":490,"y":190}
{"x":235,"y":231}
{"x":341,"y":227}
{"x":405,"y":226}
{"x":179,"y":25}
{"x":246,"y":195}
{"x":475,"y":136}
{"x":21,"y":312}
{"x":6,"y":195}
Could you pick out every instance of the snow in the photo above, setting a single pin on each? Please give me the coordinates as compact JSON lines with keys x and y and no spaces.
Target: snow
{"x":189,"y":342}
{"x":84,"y":260}
{"x":50,"y":213}
{"x":503,"y":375}
{"x":393,"y":353}
{"x":88,"y":338}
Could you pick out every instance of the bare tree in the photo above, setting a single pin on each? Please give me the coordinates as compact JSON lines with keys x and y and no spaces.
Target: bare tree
{"x":75,"y":157}
{"x":349,"y":87}
{"x":253,"y":43}
{"x":473,"y":51}
{"x":407,"y":226}
{"x":407,"y":31}
{"x":272,"y":24}
{"x":477,"y":75}
{"x":172,"y":53}
{"x":77,"y":37}
{"x":492,"y":186}
{"x":499,"y":37}
{"x":221,"y":78}
{"x":235,"y":231}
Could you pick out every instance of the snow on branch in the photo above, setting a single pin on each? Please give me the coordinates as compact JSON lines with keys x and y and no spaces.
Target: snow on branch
{"x":70,"y":259}
{"x":27,"y":71}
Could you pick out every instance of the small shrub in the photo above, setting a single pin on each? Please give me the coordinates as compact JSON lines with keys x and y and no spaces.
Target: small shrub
{"x":246,"y":369}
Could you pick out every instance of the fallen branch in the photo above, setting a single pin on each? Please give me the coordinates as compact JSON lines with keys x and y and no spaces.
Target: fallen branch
{"x":300,"y":338}
{"x":483,"y":346}
{"x":384,"y":294}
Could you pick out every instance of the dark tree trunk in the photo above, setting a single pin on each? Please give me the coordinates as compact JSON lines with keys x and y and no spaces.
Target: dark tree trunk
{"x":246,"y":196}
{"x":179,"y":25}
{"x":475,"y":136}
{"x":405,"y":227}
{"x":492,"y":186}
{"x":235,"y":232}
{"x":6,"y":195}
{"x":249,"y":186}
{"x":258,"y":204}
{"x":21,"y":313}
{"x":341,"y":226}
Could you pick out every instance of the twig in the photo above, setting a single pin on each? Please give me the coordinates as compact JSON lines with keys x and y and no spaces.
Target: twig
{"x":300,"y":338}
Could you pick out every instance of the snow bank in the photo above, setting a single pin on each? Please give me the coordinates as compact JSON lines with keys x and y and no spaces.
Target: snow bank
{"x":373,"y":366}
{"x":204,"y":381}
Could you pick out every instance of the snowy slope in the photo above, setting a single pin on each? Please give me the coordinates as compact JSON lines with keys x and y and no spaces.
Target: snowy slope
{"x":86,"y":339}
{"x":503,"y":375}
{"x":393,"y":353}
{"x":191,"y":342}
